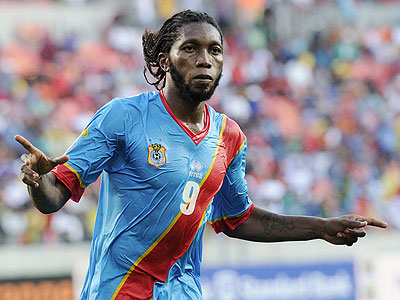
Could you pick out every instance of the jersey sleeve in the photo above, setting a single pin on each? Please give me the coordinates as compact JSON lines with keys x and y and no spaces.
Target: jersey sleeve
{"x":94,"y":149}
{"x":231,"y":206}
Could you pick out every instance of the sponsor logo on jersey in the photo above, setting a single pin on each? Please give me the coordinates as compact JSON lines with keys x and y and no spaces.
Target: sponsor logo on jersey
{"x":156,"y":155}
{"x":195,"y":168}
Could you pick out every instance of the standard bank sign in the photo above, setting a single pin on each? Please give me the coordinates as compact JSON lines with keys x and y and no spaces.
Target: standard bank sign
{"x":332,"y":281}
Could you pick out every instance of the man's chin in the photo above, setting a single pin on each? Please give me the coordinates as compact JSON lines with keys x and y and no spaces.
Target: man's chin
{"x":203,"y":92}
{"x":201,"y":95}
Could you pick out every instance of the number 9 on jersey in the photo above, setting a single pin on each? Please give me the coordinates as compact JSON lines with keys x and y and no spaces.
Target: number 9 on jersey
{"x":190,"y":193}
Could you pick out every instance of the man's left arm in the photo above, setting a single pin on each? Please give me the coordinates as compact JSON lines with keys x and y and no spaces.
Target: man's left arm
{"x":264,"y":226}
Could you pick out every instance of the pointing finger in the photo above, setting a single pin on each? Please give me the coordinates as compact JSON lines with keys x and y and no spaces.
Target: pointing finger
{"x":370,"y":221}
{"x":375,"y":222}
{"x":25,"y":143}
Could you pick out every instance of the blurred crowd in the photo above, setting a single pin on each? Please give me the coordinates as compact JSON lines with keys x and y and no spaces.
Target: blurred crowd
{"x":321,"y":114}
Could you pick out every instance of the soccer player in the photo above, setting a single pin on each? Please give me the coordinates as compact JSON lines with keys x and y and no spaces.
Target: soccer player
{"x":169,"y":164}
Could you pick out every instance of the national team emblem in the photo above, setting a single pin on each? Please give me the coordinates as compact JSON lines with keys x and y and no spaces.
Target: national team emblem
{"x":156,"y":155}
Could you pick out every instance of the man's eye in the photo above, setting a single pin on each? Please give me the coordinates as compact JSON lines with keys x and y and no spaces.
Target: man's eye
{"x":189,"y":48}
{"x":216,"y":50}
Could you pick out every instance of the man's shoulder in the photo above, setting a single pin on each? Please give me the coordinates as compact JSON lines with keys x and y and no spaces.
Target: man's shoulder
{"x":231,"y":126}
{"x":129,"y":105}
{"x":136,"y":100}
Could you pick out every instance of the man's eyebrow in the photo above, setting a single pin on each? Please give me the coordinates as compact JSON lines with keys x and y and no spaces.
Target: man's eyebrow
{"x":198,"y":42}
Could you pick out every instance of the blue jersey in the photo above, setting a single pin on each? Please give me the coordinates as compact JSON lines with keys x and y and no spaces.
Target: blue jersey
{"x":160,"y":184}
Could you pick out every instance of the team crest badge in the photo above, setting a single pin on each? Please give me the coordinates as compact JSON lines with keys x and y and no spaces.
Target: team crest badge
{"x":156,"y":155}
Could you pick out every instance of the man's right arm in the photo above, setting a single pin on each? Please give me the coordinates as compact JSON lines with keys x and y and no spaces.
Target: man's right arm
{"x":47,"y":193}
{"x":50,"y":195}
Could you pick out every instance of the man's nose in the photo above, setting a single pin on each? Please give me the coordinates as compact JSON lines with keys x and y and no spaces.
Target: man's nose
{"x":203,"y":59}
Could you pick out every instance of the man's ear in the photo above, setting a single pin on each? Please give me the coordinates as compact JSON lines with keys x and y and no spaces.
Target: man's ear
{"x":163,"y":60}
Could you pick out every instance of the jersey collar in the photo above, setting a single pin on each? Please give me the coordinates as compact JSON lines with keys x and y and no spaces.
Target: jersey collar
{"x":196,"y":138}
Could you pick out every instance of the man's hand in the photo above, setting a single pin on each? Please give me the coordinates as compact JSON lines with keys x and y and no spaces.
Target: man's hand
{"x":36,"y":163}
{"x":346,"y":230}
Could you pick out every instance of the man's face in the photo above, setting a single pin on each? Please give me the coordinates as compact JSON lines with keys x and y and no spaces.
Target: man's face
{"x":196,"y":60}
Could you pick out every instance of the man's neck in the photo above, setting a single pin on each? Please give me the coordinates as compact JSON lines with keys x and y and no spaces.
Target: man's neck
{"x":189,"y":112}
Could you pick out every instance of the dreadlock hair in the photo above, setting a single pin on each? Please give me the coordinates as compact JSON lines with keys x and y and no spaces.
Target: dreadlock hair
{"x":162,"y":40}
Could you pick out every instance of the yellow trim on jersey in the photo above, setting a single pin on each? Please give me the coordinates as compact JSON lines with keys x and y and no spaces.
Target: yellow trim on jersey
{"x":85,"y":132}
{"x":212,"y":164}
{"x":216,"y":151}
{"x":228,"y":217}
{"x":76,"y":173}
{"x":204,"y":214}
{"x":240,"y":148}
{"x":144,"y":255}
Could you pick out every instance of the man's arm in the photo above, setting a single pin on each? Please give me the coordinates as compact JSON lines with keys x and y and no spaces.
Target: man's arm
{"x":264,"y":226}
{"x":47,"y":193}
{"x":50,"y":195}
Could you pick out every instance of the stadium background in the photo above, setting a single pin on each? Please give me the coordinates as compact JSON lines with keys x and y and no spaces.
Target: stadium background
{"x":314,"y":84}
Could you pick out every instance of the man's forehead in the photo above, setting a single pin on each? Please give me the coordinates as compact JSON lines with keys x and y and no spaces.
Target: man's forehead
{"x":201,"y":31}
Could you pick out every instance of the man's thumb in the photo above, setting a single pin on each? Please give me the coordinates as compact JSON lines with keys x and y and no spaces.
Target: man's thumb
{"x":355,"y":224}
{"x":62,"y":159}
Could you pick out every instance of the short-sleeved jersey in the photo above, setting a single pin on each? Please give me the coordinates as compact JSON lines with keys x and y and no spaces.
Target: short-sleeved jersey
{"x":160,"y":184}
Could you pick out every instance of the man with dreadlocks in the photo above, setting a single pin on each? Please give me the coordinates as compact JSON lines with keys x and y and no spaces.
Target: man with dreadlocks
{"x":169,"y":163}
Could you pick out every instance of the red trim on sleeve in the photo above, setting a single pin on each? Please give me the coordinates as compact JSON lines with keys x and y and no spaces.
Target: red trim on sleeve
{"x":231,"y":223}
{"x":70,"y":180}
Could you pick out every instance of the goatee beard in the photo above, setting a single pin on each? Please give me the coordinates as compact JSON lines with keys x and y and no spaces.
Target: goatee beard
{"x":185,"y":89}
